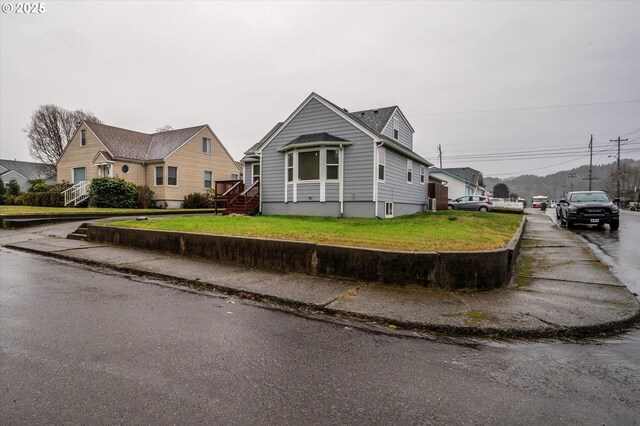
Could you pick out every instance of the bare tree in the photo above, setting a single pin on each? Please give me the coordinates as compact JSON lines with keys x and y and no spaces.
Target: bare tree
{"x":51,"y":128}
{"x":164,"y":128}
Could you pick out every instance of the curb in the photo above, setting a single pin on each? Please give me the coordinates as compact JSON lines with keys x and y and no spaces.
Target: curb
{"x":388,"y":324}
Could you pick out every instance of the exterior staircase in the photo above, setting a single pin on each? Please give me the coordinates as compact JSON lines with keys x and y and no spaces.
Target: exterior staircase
{"x":77,"y":193}
{"x":247,"y":202}
{"x":80,"y":233}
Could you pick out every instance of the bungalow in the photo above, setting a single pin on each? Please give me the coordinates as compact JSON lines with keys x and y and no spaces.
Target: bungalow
{"x":25,"y":171}
{"x":325,"y":161}
{"x":173,"y":163}
{"x":460,"y":181}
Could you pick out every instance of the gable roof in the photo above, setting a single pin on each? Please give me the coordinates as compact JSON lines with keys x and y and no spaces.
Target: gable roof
{"x":448,"y":173}
{"x":27,"y":169}
{"x":353,"y":119}
{"x":471,"y":175}
{"x":256,"y":146}
{"x":376,"y":119}
{"x":123,"y":143}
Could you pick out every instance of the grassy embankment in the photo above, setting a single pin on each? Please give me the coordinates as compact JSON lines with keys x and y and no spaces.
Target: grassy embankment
{"x":442,"y":231}
{"x":17,"y":210}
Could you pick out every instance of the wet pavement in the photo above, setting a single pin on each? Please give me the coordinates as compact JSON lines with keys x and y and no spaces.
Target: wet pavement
{"x":559,"y":288}
{"x":85,"y":345}
{"x":620,"y":250}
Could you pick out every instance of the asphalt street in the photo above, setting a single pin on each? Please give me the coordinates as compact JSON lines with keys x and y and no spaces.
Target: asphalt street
{"x":82,"y":345}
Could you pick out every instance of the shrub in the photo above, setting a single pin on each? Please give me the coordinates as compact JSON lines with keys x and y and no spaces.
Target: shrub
{"x":197,"y":200}
{"x":145,"y":197}
{"x":13,"y":188}
{"x":112,"y":192}
{"x":3,"y":191}
{"x":42,"y":199}
{"x":38,"y":185}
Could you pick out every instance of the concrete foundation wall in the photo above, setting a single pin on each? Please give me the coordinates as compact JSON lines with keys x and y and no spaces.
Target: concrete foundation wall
{"x":469,"y":271}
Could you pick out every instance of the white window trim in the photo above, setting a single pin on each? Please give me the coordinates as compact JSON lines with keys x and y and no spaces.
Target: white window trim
{"x":83,"y":137}
{"x":333,"y":164}
{"x":382,"y":150}
{"x":322,"y":175}
{"x":296,"y":170}
{"x":155,"y":175}
{"x":422,"y":175}
{"x":409,"y":170}
{"x":177,"y":177}
{"x":253,"y":173}
{"x":204,"y":182}
{"x":386,"y":203}
{"x":209,"y":146}
{"x":396,"y":126}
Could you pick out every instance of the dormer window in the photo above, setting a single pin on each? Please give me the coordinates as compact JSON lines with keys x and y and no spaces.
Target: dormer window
{"x":83,"y":141}
{"x":396,"y":128}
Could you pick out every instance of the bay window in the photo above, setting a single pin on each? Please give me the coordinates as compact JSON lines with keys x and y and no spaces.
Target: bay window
{"x":309,"y":165}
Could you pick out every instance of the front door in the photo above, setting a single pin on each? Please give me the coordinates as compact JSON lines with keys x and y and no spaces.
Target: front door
{"x":78,"y":175}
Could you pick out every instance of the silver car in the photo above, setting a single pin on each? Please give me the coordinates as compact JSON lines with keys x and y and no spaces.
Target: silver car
{"x":471,"y":202}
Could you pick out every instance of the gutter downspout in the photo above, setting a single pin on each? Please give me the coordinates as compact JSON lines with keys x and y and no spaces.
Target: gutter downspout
{"x":375,"y":176}
{"x":341,"y":176}
{"x":259,"y":154}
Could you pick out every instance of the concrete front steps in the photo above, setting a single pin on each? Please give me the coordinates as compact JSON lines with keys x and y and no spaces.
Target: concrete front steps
{"x":80,"y":233}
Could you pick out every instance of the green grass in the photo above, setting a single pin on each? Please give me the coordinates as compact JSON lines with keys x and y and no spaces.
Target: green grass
{"x":16,"y":210}
{"x":442,"y":231}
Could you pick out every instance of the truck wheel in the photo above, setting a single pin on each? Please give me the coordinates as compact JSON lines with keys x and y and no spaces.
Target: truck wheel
{"x":614,"y":225}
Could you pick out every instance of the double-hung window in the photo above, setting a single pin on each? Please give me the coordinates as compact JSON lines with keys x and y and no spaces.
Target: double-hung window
{"x":409,"y":170}
{"x":396,"y":128}
{"x":290,"y":167}
{"x":381,"y":162}
{"x":333,"y":164}
{"x":256,"y":171}
{"x":172,"y":176}
{"x":159,"y":175}
{"x":83,"y":141}
{"x":422,"y":175}
{"x":206,"y":145}
{"x":208,"y":178}
{"x":309,"y":165}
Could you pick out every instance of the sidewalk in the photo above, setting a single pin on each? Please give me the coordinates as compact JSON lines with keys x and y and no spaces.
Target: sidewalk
{"x":559,"y":288}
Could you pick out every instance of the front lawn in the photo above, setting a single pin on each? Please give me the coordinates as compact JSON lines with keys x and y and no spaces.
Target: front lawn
{"x":17,"y":210}
{"x":441,"y":231}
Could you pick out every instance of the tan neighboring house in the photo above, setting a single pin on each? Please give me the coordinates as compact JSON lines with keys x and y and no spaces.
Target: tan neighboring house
{"x":173,"y":164}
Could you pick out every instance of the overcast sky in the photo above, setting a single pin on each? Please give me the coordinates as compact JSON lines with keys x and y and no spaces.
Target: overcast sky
{"x":476,"y":78}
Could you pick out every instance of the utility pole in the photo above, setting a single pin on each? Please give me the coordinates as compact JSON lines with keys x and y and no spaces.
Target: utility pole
{"x":571,"y":176}
{"x":590,"y":161}
{"x":590,"y":178}
{"x":440,"y":155}
{"x":618,"y":173}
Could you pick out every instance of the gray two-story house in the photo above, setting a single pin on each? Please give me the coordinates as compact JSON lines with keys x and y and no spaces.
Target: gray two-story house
{"x":325,"y":161}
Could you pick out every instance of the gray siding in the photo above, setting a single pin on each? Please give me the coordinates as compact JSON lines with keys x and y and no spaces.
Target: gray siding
{"x":248,"y":174}
{"x":395,"y":187}
{"x":22,"y":181}
{"x":406,"y":136}
{"x":332,"y":192}
{"x":302,"y":209}
{"x":309,"y":191}
{"x":316,"y":118}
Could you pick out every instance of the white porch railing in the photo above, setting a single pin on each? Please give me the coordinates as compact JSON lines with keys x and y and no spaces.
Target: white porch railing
{"x":77,"y":193}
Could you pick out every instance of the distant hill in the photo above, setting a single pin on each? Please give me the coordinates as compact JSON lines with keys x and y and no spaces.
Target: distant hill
{"x":557,"y":184}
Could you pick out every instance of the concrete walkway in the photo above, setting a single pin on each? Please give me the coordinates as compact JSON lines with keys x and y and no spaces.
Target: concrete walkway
{"x":559,"y":289}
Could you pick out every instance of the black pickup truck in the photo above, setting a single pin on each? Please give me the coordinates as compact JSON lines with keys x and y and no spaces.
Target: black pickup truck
{"x":589,"y":208}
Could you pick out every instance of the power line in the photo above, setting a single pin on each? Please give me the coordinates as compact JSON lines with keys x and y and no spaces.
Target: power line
{"x":525,"y":108}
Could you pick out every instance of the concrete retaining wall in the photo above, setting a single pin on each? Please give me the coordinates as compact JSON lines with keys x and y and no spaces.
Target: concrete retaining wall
{"x":481,"y":270}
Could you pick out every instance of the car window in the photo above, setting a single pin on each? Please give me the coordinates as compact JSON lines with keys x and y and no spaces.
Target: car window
{"x":590,"y":197}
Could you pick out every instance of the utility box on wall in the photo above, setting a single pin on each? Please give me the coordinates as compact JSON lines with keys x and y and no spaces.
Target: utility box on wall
{"x":440,"y":193}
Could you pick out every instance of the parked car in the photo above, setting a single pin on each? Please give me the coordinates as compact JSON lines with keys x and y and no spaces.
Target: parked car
{"x":471,"y":202}
{"x":589,"y":208}
{"x":634,"y":206}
